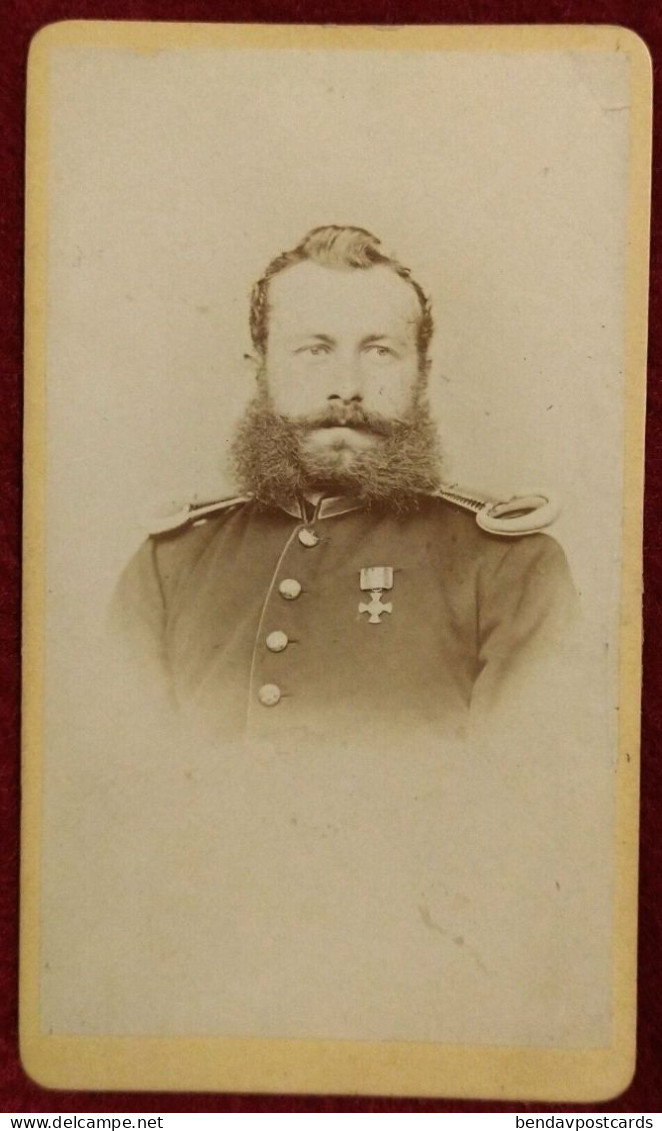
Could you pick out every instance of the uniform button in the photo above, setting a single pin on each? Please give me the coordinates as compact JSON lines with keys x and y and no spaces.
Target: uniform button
{"x":308,"y":537}
{"x":277,"y":641}
{"x":269,"y":694}
{"x":289,"y":588}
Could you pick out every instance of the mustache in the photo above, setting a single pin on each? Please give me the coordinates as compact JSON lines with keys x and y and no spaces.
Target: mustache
{"x":349,"y":416}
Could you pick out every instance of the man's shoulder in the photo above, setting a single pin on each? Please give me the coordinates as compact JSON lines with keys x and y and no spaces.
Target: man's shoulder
{"x":453,"y":522}
{"x":175,"y":519}
{"x":179,"y":535}
{"x":457,"y":531}
{"x":461,"y":519}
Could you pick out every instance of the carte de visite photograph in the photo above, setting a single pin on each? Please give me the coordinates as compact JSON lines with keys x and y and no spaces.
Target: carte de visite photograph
{"x":335,"y":385}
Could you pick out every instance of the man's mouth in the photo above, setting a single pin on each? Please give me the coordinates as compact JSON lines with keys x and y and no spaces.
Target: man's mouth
{"x":358,"y":420}
{"x":349,"y":417}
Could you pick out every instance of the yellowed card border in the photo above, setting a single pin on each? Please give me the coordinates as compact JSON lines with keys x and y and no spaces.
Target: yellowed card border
{"x":316,"y":1066}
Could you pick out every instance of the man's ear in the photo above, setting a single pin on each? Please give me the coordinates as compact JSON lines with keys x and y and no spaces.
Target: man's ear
{"x":423,"y":377}
{"x":254,"y":367}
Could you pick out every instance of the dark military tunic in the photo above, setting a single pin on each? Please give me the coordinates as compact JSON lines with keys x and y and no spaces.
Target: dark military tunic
{"x":352,"y":856}
{"x":252,"y":617}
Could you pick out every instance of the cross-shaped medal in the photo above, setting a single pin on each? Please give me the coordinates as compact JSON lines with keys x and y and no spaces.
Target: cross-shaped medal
{"x":376,"y":579}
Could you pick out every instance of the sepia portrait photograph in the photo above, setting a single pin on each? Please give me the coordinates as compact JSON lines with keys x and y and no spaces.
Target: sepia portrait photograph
{"x":334,"y":423}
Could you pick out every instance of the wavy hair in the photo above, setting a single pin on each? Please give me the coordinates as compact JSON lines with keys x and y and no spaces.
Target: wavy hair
{"x":343,"y":249}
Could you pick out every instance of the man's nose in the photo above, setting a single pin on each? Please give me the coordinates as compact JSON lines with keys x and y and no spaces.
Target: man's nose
{"x":339,"y":399}
{"x":347,"y":384}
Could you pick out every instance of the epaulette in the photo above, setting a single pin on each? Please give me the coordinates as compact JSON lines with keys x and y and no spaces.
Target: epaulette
{"x":514,"y":517}
{"x":176,"y":516}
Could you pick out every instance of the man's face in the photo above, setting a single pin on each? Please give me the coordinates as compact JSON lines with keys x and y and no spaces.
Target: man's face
{"x":340,"y":342}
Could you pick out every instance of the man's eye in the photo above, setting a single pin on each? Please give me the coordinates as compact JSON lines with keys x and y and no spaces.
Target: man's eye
{"x":313,"y":351}
{"x":381,"y":353}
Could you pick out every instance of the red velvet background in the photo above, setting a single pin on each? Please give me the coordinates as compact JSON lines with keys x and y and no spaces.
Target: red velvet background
{"x":19,"y":20}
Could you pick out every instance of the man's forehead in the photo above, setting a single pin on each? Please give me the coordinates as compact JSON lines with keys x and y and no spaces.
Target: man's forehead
{"x":375,"y":299}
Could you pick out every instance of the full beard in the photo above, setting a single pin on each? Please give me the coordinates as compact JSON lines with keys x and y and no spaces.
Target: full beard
{"x":273,"y":461}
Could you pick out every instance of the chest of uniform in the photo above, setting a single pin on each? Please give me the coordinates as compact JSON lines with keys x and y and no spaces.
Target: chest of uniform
{"x":335,"y":609}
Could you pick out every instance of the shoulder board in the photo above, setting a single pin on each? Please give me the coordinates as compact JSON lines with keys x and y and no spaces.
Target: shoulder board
{"x":177,"y":517}
{"x":511,"y":518}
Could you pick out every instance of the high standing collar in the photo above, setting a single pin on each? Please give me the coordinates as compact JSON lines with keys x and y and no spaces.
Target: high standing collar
{"x":328,"y":507}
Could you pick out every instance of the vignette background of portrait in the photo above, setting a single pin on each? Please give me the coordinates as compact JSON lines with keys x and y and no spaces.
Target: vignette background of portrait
{"x":500,"y":179}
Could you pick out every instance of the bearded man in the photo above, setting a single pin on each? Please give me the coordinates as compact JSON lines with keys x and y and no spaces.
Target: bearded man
{"x":344,"y":586}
